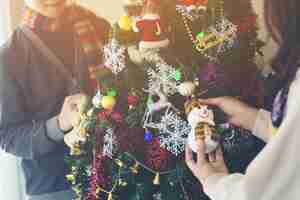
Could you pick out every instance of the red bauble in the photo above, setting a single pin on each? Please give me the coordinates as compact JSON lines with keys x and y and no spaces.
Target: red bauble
{"x":132,"y":100}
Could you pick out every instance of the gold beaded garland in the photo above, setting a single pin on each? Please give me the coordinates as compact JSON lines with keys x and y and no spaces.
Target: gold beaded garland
{"x":217,"y":12}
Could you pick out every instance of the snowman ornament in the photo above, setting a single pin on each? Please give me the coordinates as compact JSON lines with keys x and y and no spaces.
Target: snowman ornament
{"x":201,"y":119}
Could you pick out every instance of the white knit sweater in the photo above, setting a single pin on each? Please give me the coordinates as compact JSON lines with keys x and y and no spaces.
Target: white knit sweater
{"x":275,"y":173}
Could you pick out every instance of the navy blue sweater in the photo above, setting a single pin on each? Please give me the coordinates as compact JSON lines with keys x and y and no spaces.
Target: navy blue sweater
{"x":31,"y":96}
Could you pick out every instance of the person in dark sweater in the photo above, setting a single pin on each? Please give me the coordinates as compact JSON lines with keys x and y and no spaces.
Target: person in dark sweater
{"x":43,"y":76}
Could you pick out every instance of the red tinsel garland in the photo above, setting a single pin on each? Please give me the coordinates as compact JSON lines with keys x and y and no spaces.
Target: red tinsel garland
{"x":98,"y":177}
{"x":247,"y":24}
{"x":157,"y":158}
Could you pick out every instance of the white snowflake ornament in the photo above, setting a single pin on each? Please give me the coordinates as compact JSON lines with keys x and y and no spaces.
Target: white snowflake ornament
{"x":110,"y":143}
{"x":165,"y":77}
{"x":114,"y":56}
{"x":226,"y":31}
{"x":173,"y":133}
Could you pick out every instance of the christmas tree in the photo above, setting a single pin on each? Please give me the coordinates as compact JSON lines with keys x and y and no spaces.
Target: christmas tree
{"x":162,"y":56}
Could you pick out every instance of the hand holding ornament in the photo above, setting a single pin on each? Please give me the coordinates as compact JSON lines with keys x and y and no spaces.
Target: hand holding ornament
{"x":238,"y":113}
{"x":70,"y":112}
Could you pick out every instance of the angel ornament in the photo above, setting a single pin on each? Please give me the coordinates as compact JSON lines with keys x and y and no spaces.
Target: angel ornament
{"x":201,"y":119}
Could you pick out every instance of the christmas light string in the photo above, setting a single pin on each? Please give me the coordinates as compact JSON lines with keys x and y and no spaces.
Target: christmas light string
{"x":157,"y":174}
{"x":148,"y":168}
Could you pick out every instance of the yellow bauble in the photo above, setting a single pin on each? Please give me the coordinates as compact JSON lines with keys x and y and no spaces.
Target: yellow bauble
{"x":125,"y":23}
{"x":108,"y":102}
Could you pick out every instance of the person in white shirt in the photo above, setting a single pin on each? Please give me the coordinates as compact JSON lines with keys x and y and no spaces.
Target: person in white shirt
{"x":274,"y":174}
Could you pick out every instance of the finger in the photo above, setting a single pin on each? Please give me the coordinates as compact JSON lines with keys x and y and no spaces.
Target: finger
{"x":212,"y":101}
{"x":212,"y":157}
{"x":234,"y":121}
{"x":75,"y":101}
{"x":189,"y":155}
{"x":189,"y":160}
{"x":76,"y":98}
{"x":219,"y":154}
{"x":201,"y":158}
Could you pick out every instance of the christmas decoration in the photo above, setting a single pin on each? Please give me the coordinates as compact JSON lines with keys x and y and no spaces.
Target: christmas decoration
{"x":110,"y":143}
{"x":163,"y":76}
{"x":194,"y":2}
{"x":73,"y":138}
{"x":173,"y":133}
{"x":114,"y":56}
{"x":152,"y":27}
{"x":79,"y":134}
{"x":192,"y":9}
{"x":148,"y":135}
{"x":156,"y":157}
{"x":108,"y":102}
{"x":202,"y":122}
{"x":97,"y":99}
{"x":125,"y":23}
{"x":132,"y":100}
{"x":187,"y":89}
{"x":136,"y":129}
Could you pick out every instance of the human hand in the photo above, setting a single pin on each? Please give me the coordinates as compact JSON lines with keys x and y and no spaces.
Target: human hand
{"x":240,"y":114}
{"x":203,"y":167}
{"x":70,"y":114}
{"x":74,"y":137}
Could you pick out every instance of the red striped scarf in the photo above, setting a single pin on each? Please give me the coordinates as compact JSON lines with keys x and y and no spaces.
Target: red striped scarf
{"x":81,"y":20}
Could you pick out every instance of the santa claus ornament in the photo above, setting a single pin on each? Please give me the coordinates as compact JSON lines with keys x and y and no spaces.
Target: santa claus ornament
{"x":152,"y":27}
{"x":201,"y":119}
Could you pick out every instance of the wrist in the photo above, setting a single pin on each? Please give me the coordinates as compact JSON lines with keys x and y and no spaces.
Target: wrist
{"x":251,"y":118}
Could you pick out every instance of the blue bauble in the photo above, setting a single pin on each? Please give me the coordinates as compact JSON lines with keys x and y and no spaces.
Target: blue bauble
{"x":148,"y":136}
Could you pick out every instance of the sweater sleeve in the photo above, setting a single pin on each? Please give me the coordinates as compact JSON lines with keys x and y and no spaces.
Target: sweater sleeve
{"x":19,"y":135}
{"x":274,"y":173}
{"x":263,"y":125}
